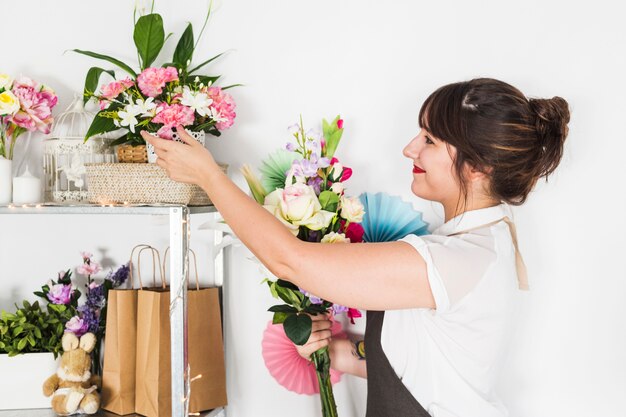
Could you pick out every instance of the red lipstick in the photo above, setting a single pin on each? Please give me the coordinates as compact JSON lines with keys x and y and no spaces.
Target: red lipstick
{"x":417,"y":170}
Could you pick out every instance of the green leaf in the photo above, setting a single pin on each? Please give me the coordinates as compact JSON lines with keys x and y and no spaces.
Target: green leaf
{"x":298,"y":328}
{"x":149,"y":38}
{"x":206,"y":80}
{"x":231,"y":86}
{"x":17,"y":331}
{"x":280,"y":317}
{"x":184,"y":49}
{"x":281,"y":308}
{"x":100,"y":125}
{"x":329,"y":201}
{"x":287,"y":284}
{"x":22,"y":343}
{"x":205,"y":62}
{"x":108,"y":58}
{"x":92,"y":80}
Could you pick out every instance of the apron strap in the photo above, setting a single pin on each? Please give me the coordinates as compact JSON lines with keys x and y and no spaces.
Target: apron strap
{"x":522,"y":274}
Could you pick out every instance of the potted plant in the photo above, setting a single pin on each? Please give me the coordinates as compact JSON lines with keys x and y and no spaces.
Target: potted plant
{"x":157,"y":99}
{"x":30,"y":337}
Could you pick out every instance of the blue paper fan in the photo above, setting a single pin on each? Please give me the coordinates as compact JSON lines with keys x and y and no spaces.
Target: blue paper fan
{"x":389,"y":218}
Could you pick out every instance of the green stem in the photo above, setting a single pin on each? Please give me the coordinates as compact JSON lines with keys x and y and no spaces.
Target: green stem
{"x":2,"y":139}
{"x":321,"y":360}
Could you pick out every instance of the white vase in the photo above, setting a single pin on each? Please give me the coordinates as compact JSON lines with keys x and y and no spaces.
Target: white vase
{"x":6,"y":181}
{"x":22,"y":378}
{"x":199,"y":136}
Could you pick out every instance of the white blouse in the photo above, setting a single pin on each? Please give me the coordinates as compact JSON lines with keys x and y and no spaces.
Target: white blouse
{"x":448,"y":357}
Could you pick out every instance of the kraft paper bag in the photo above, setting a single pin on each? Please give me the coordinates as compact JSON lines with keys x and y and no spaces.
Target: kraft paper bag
{"x":205,"y":351}
{"x":120,"y":345}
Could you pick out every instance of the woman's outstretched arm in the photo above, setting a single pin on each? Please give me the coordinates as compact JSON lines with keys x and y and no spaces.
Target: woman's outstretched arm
{"x":373,"y":276}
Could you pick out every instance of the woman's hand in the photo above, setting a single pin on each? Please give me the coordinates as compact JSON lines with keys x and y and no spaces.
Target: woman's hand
{"x":188,"y":162}
{"x":320,"y":335}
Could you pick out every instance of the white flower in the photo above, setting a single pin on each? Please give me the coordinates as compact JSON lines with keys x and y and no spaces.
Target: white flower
{"x":144,"y":108}
{"x":9,"y":104}
{"x":333,"y":237}
{"x":351,"y":209}
{"x":337,"y":188}
{"x":5,"y":81}
{"x":128,"y":116}
{"x":335,"y":173}
{"x":200,"y":102}
{"x":298,"y":205}
{"x":215,"y":115}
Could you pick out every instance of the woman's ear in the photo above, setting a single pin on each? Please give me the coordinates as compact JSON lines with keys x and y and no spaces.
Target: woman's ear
{"x":474,"y":173}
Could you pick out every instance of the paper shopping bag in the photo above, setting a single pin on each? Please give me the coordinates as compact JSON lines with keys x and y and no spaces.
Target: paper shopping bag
{"x":205,"y":351}
{"x":118,"y":372}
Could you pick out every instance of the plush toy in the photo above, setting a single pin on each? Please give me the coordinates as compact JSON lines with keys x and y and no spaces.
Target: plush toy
{"x":72,"y":387}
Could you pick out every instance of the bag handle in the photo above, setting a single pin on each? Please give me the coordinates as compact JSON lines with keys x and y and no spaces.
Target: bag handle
{"x":130,"y":263}
{"x":155,"y":255}
{"x":195,"y":265}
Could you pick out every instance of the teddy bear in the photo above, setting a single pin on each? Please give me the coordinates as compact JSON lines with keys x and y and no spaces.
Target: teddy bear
{"x":73,"y":388}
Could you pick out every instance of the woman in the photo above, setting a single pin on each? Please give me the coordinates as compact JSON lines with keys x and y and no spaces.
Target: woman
{"x":439,"y":306}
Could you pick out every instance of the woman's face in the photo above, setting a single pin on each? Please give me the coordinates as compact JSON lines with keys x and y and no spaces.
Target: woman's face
{"x":433,"y":168}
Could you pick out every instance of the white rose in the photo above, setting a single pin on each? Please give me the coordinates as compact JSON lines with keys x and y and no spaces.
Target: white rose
{"x":337,"y":188}
{"x":335,"y":173}
{"x":352,"y":210}
{"x":333,"y":237}
{"x":298,"y":205}
{"x":5,"y":81}
{"x":9,"y":104}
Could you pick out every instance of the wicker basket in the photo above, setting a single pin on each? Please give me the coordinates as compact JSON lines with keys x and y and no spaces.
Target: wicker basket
{"x":140,"y":184}
{"x":132,"y":154}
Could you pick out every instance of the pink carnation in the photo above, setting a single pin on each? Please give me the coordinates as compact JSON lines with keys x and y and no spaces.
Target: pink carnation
{"x":36,"y":103}
{"x":171,"y":116}
{"x":224,"y":106}
{"x":152,"y":80}
{"x":115,"y":88}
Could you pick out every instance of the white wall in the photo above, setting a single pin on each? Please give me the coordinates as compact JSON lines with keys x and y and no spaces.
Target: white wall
{"x":375,"y":62}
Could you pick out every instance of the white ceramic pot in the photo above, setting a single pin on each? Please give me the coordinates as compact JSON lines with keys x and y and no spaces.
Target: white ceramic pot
{"x":22,"y":378}
{"x":152,"y":157}
{"x":6,"y":181}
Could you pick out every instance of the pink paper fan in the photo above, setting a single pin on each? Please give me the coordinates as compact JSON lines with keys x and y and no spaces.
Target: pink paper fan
{"x":287,"y":367}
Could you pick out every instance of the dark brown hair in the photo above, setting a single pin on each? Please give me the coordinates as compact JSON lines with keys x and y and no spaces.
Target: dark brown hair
{"x":497,"y":130}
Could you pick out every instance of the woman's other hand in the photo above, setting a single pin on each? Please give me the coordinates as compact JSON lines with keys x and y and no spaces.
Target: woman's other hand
{"x":320,"y":335}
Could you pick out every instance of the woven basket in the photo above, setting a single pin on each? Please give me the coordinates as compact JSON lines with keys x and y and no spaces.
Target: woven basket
{"x":132,"y":154}
{"x":140,"y":184}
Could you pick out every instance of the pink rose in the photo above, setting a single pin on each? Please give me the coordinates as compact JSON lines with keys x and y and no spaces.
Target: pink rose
{"x":171,"y":115}
{"x":340,"y":126}
{"x":60,"y":294}
{"x":152,"y":80}
{"x":77,"y":326}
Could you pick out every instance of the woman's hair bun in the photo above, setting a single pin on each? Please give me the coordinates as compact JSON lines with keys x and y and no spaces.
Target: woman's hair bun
{"x":551,"y":123}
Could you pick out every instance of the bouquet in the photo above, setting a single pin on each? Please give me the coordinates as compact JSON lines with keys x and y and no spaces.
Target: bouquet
{"x":157,"y":99}
{"x":25,"y":105}
{"x":303,"y":186}
{"x":63,"y":298}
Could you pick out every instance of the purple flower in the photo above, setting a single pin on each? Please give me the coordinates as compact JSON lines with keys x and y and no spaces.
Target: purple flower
{"x":315,"y":182}
{"x":60,"y":294}
{"x":290,"y":147}
{"x":77,"y":326}
{"x":312,"y":298}
{"x":118,"y":277}
{"x":337,"y":309}
{"x":90,"y":318}
{"x":95,"y":296}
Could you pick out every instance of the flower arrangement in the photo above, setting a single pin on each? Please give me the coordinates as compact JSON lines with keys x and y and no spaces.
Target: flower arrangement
{"x":25,"y":105}
{"x":157,"y":99}
{"x":303,"y":186}
{"x":63,"y":299}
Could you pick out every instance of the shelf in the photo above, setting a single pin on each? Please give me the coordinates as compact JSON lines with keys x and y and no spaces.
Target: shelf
{"x":49,"y":208}
{"x":47,"y":412}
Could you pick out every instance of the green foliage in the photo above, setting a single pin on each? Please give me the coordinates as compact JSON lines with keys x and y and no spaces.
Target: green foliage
{"x":332,"y":134}
{"x":274,"y":169}
{"x":149,"y":38}
{"x":31,"y":329}
{"x":184,"y":49}
{"x":329,"y":201}
{"x":91,"y":81}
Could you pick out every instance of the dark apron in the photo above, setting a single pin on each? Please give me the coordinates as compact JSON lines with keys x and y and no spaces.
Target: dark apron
{"x":386,"y":394}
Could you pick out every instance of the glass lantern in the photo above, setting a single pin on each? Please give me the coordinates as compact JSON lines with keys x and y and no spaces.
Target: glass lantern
{"x":65,"y":153}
